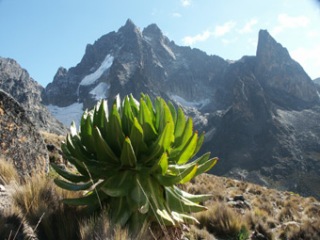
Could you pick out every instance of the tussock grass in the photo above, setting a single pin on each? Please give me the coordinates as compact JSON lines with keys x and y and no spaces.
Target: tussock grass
{"x":100,"y":228}
{"x":8,"y":172}
{"x":222,"y":221}
{"x":51,"y":138}
{"x":39,"y":201}
{"x":13,"y":226}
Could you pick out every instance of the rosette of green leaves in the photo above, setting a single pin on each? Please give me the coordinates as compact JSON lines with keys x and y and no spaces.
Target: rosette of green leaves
{"x":131,"y":159}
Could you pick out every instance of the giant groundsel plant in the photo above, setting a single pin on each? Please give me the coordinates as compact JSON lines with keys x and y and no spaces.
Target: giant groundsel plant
{"x":132,"y":159}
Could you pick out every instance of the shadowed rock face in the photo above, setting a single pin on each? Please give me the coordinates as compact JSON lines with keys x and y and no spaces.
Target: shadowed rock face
{"x":17,"y":82}
{"x":20,"y":141}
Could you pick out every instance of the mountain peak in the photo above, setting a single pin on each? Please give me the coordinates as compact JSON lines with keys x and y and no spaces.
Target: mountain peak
{"x":152,"y":31}
{"x":270,"y":49}
{"x":129,"y":26}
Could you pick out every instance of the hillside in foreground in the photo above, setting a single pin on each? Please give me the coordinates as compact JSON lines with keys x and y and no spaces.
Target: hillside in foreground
{"x":237,"y":210}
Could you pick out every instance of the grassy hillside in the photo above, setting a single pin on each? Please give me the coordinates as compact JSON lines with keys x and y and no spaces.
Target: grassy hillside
{"x":237,"y":210}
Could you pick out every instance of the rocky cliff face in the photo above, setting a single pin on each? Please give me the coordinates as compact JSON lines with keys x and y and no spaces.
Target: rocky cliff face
{"x":17,"y":82}
{"x":259,"y":113}
{"x":20,"y":142}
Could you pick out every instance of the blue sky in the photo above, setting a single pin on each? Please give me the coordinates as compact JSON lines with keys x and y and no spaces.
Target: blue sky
{"x":43,"y":35}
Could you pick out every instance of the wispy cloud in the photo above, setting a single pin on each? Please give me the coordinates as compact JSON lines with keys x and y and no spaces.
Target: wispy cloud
{"x":223,"y":29}
{"x":248,"y":27}
{"x":190,"y":40}
{"x":185,"y":3}
{"x":176,"y":15}
{"x":219,"y":31}
{"x":285,"y":21}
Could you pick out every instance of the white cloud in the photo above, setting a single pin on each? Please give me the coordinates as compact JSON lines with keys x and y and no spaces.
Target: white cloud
{"x":219,"y":31}
{"x":285,"y":21}
{"x":247,"y":28}
{"x":222,"y":30}
{"x":176,"y":15}
{"x":190,"y":40}
{"x":309,"y":58}
{"x":185,"y":3}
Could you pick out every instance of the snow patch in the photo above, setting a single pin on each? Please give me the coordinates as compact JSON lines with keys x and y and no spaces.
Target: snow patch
{"x":67,"y":114}
{"x":318,"y":94}
{"x":148,"y":39}
{"x":93,"y":77}
{"x":100,"y":91}
{"x":185,"y":103}
{"x":169,"y":51}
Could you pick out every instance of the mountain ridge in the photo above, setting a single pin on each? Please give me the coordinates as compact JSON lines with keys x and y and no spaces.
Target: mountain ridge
{"x":250,"y":109}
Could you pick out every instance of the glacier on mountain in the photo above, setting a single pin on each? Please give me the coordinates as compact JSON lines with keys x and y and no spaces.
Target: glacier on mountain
{"x":67,"y":114}
{"x":193,"y":104}
{"x":100,"y":91}
{"x":93,"y":77}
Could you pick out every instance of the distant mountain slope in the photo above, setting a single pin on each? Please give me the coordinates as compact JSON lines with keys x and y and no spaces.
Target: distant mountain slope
{"x":260,"y":113}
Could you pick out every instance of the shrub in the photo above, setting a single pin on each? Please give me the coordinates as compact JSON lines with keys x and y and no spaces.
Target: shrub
{"x":131,"y":159}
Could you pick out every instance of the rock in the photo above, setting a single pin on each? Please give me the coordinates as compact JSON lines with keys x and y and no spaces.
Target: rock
{"x":20,"y":142}
{"x":17,"y":82}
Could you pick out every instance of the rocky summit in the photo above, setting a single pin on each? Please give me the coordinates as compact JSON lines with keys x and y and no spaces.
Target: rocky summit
{"x":260,"y":113}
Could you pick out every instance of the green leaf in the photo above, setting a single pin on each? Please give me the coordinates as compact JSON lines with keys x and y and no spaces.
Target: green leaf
{"x":100,"y":115}
{"x":162,"y":165}
{"x":173,"y":112}
{"x":161,"y":145}
{"x":180,"y":124}
{"x":186,"y":153}
{"x":157,"y":105}
{"x":128,"y":157}
{"x":181,"y":141}
{"x":192,"y":197}
{"x":103,"y":151}
{"x":207,"y":166}
{"x":86,"y":133}
{"x":71,"y":186}
{"x":119,"y":211}
{"x":137,"y":138}
{"x":185,"y":176}
{"x":69,"y":176}
{"x":118,"y":184}
{"x":134,"y":105}
{"x":199,"y":143}
{"x":127,"y":116}
{"x":165,"y":116}
{"x":137,"y":198}
{"x":178,"y":203}
{"x":145,"y":118}
{"x":114,"y":135}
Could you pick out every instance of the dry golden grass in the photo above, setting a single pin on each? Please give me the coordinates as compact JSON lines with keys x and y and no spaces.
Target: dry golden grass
{"x":51,"y":138}
{"x":273,"y":214}
{"x":39,"y":201}
{"x":222,"y":221}
{"x":8,"y":172}
{"x":266,"y":212}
